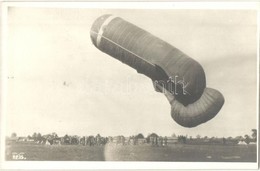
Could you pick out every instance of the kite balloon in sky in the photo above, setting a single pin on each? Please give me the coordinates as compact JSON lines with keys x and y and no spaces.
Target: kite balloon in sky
{"x":179,"y":77}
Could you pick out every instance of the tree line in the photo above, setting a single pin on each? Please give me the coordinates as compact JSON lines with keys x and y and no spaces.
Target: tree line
{"x":152,"y":138}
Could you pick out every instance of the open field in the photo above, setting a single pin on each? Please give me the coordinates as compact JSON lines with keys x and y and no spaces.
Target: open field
{"x":177,"y":152}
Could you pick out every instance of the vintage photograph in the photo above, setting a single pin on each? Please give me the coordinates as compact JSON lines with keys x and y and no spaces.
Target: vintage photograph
{"x":125,"y":84}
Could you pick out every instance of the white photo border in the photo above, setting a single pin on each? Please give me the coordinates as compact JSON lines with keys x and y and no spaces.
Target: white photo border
{"x":118,"y":165}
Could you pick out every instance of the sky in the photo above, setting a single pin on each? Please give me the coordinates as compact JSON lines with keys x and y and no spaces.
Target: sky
{"x":58,"y":81}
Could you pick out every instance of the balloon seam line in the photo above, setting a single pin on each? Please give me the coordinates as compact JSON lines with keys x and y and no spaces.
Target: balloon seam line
{"x":122,"y":47}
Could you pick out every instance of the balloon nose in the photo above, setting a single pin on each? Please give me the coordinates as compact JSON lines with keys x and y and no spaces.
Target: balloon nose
{"x":98,"y":28}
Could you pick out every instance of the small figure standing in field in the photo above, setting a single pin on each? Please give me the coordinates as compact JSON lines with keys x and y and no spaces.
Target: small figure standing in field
{"x":165,"y":140}
{"x":160,"y":141}
{"x":156,"y":141}
{"x":152,"y":140}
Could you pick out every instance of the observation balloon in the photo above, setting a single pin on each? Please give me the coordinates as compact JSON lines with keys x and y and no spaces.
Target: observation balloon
{"x":179,"y":77}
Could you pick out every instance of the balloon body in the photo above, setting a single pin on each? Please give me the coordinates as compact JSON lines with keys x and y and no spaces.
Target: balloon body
{"x":172,"y":71}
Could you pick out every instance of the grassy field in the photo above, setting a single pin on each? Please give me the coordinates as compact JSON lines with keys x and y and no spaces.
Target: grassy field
{"x":178,"y":152}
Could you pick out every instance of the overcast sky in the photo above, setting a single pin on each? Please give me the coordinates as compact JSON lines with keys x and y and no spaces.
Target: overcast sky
{"x":60,"y":82}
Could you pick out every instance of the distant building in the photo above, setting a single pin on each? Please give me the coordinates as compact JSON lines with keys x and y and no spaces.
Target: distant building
{"x":12,"y":139}
{"x":242,"y":143}
{"x":172,"y":140}
{"x":22,"y":139}
{"x":141,"y":141}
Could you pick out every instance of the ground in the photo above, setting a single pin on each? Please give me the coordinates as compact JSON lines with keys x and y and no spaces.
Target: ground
{"x":177,"y":152}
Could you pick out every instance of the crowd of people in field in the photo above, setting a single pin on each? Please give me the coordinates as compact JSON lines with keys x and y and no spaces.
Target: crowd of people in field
{"x":98,"y":140}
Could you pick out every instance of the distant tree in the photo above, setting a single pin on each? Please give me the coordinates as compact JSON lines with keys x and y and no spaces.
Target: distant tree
{"x":66,"y":139}
{"x":139,"y":136}
{"x":66,"y":136}
{"x":247,"y":139}
{"x":153,"y":135}
{"x":54,"y":135}
{"x":74,"y":139}
{"x":254,"y":134}
{"x":29,"y":137}
{"x":182,"y":139}
{"x":239,"y":138}
{"x":39,"y":136}
{"x":34,"y":136}
{"x":14,"y":135}
{"x":198,"y":136}
{"x":206,"y":137}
